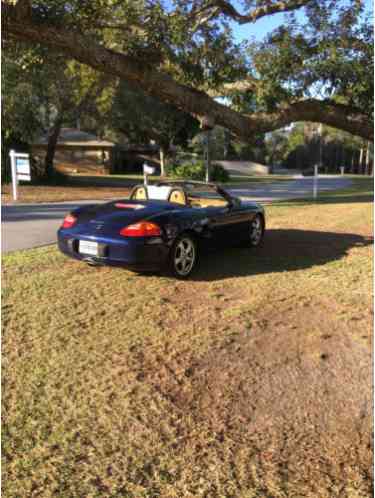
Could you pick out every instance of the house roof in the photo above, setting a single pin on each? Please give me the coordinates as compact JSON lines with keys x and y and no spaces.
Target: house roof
{"x":73,"y":137}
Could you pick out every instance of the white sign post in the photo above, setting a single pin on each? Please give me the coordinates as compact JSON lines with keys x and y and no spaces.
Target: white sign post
{"x":147,"y":170}
{"x":315,"y":182}
{"x":342,"y":170}
{"x":20,"y":166}
{"x":206,"y":142}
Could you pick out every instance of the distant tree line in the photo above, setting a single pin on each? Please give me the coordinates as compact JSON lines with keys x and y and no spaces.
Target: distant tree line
{"x":298,"y":147}
{"x":308,"y":144}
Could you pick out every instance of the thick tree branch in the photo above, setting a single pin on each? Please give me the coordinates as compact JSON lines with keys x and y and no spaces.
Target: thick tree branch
{"x":215,"y":7}
{"x":163,"y":87}
{"x":248,"y":84}
{"x":320,"y":111}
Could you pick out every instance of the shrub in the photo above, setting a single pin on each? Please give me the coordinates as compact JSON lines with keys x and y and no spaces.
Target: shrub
{"x":219,"y":174}
{"x":197,"y":171}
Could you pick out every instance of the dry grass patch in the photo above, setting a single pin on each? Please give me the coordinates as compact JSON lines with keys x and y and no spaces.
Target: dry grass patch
{"x":253,"y":379}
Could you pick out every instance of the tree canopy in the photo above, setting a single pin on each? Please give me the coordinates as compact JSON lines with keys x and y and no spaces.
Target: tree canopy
{"x":141,"y":117}
{"x":316,"y":67}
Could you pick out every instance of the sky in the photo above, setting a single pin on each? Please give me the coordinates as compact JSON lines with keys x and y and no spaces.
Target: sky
{"x":267,"y":24}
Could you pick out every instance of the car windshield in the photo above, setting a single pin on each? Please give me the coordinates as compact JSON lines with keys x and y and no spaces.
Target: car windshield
{"x":203,"y":195}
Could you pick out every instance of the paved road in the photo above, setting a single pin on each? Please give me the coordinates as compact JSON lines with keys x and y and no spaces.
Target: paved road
{"x":300,"y":187}
{"x":31,"y":225}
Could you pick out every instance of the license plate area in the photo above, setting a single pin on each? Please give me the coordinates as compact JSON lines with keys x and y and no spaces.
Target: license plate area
{"x":88,"y":247}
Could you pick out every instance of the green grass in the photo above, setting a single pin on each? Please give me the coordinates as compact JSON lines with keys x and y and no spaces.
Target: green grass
{"x":360,"y":190}
{"x":252,"y":379}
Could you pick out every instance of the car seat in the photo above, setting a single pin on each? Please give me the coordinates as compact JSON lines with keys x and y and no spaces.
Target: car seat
{"x":177,"y":197}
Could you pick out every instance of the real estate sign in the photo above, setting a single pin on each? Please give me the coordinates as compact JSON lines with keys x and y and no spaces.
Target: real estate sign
{"x":20,"y":164}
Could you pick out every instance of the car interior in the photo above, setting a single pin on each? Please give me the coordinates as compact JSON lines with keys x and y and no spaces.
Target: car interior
{"x":177,"y":195}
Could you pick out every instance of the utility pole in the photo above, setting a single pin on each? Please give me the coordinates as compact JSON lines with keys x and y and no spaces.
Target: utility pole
{"x":367,"y":163}
{"x":207,"y":124}
{"x":207,"y":156}
{"x":320,"y":146}
{"x":360,"y":161}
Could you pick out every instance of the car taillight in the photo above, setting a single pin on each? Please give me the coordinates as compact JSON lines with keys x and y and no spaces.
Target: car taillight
{"x":69,"y":221}
{"x":141,"y":229}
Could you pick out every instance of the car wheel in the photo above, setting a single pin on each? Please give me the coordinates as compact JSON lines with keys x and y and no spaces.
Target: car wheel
{"x":183,"y":256}
{"x":256,"y":231}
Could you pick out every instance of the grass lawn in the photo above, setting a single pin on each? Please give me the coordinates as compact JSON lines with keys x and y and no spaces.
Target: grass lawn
{"x":77,"y":192}
{"x":60,"y":193}
{"x":252,"y":379}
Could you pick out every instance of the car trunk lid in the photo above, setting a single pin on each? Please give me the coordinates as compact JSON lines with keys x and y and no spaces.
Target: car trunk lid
{"x":112,"y":216}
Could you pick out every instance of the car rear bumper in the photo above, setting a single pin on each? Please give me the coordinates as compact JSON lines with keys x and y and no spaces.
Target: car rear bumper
{"x":134,"y":254}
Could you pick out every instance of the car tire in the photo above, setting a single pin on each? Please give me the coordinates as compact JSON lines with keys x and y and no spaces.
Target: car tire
{"x":183,"y":257}
{"x":256,"y":231}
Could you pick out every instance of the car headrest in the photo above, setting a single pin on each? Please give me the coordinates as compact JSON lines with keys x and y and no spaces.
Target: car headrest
{"x":178,"y":197}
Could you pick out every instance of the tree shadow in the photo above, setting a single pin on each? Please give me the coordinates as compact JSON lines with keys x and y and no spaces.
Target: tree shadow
{"x":282,"y":250}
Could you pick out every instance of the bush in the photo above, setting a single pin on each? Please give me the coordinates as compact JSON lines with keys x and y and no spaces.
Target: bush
{"x":197,"y":171}
{"x":219,"y":174}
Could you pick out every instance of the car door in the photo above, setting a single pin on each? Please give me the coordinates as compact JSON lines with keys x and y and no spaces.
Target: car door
{"x":230,"y":224}
{"x":218,"y":224}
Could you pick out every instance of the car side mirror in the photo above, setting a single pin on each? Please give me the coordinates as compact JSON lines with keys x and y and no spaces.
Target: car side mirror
{"x":235,"y":203}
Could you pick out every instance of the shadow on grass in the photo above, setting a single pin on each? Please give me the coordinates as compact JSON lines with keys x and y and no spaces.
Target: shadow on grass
{"x":282,"y":250}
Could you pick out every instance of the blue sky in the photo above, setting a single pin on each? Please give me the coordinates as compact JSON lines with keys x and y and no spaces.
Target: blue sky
{"x":267,"y":24}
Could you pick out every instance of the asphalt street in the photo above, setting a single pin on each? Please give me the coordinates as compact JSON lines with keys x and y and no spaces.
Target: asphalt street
{"x":25,"y":226}
{"x":300,"y":187}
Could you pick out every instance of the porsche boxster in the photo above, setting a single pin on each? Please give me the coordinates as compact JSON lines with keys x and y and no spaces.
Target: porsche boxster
{"x":161,"y":226}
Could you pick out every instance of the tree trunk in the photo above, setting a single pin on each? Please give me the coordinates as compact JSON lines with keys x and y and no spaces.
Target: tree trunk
{"x":207,"y":156}
{"x":53,"y":137}
{"x":226,"y":144}
{"x":162,"y":160}
{"x":343,"y":158}
{"x":367,"y":164}
{"x":360,"y":161}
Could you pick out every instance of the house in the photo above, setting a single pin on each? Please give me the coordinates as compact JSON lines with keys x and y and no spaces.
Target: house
{"x":78,"y":152}
{"x":129,"y":158}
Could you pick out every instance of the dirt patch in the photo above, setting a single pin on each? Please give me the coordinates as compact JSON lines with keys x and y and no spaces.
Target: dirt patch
{"x":290,"y":397}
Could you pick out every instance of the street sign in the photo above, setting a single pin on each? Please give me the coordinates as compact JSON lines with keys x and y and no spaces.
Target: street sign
{"x":20,"y":166}
{"x":23,"y":168}
{"x":147,"y":170}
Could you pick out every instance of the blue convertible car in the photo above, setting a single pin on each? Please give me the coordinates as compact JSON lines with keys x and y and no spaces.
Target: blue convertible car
{"x":162,"y":226}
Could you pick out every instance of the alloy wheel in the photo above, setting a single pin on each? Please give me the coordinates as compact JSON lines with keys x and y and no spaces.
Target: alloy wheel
{"x":184,"y":256}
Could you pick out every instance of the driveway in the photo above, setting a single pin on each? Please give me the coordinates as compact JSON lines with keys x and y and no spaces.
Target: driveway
{"x":31,"y":225}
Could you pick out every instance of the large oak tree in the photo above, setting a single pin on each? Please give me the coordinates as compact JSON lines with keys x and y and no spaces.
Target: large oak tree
{"x":318,"y":69}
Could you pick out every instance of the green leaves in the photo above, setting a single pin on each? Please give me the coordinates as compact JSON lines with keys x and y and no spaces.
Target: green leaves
{"x":142,"y":118}
{"x":328,"y":54}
